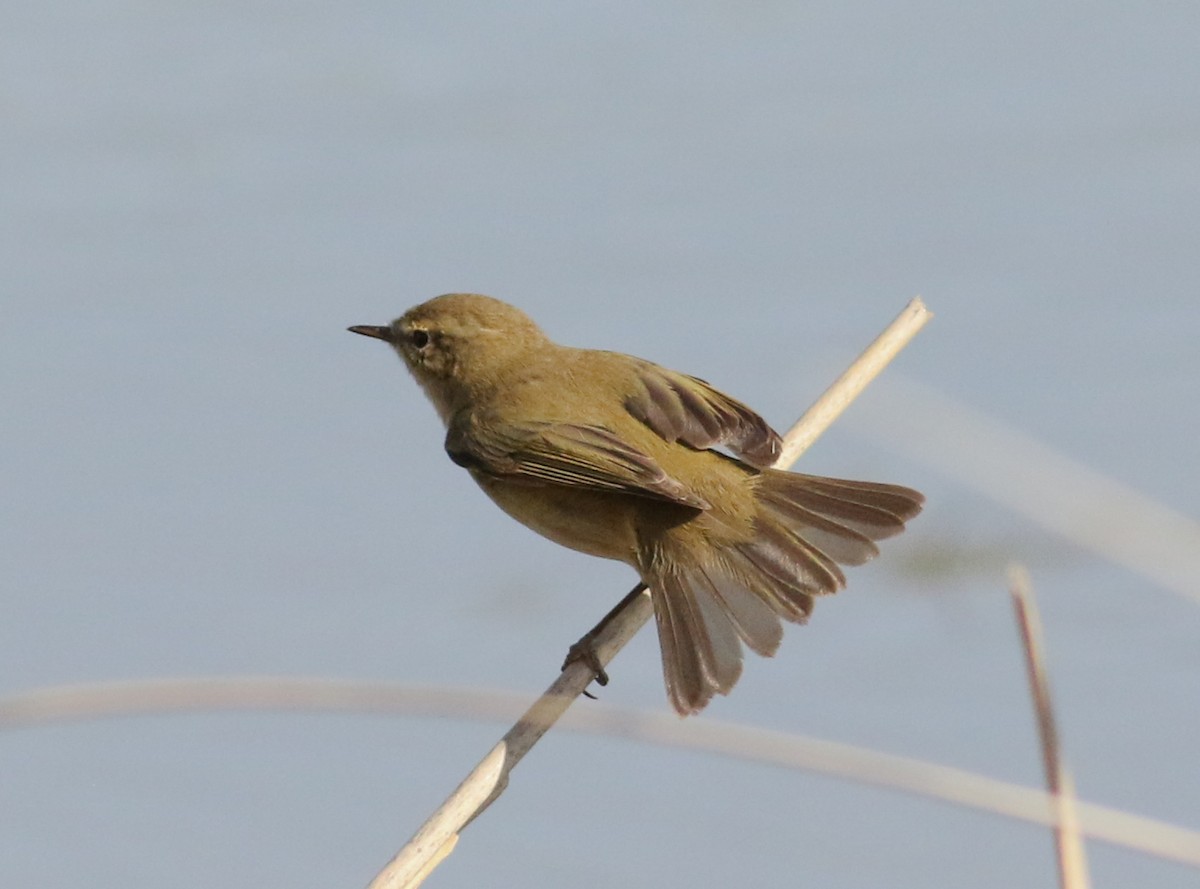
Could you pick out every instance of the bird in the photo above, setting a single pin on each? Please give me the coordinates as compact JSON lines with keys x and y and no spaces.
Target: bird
{"x":618,"y":457}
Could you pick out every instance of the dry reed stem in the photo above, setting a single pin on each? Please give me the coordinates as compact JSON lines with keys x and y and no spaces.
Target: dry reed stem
{"x":409,"y":866}
{"x":75,"y":703}
{"x":1101,"y":514}
{"x":1068,"y":839}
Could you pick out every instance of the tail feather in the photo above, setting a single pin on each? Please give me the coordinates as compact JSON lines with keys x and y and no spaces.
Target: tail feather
{"x":687,"y":687}
{"x":839,"y":539}
{"x":755,"y":617}
{"x":698,"y":638}
{"x":791,"y":559}
{"x":805,"y":526}
{"x":875,"y":504}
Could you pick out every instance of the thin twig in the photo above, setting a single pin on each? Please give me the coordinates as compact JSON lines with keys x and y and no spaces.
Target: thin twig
{"x":105,"y":700}
{"x":486,"y":781}
{"x":1068,"y":838}
{"x":834,"y":400}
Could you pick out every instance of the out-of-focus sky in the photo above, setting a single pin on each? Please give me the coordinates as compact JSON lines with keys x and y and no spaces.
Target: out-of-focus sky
{"x":204,"y":474}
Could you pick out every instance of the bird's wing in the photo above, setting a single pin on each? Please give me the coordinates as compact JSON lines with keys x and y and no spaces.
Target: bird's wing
{"x":688,"y":410}
{"x":578,"y":456}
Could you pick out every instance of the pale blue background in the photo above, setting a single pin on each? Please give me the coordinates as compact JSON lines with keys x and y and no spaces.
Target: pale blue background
{"x":203,"y":474}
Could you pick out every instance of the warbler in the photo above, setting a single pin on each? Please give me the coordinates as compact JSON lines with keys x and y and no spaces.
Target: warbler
{"x":616,"y":456}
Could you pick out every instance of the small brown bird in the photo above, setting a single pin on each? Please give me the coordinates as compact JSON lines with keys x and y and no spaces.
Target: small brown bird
{"x":613,"y":456}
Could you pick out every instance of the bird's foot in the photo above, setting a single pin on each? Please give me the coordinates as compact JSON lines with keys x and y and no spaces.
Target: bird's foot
{"x":584,"y":652}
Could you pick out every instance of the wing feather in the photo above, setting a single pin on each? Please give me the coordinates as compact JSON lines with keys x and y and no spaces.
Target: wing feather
{"x":686,"y":409}
{"x":579,"y":456}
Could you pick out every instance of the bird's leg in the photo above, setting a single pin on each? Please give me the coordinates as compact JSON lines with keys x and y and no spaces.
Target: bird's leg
{"x":584,"y":651}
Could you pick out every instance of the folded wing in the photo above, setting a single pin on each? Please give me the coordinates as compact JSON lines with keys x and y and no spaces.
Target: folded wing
{"x":580,"y":456}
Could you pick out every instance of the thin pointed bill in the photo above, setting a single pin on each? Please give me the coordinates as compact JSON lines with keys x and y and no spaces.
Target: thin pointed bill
{"x":379,"y":333}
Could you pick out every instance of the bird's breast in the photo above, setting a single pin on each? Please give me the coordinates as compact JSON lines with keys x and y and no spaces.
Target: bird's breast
{"x":593,"y":522}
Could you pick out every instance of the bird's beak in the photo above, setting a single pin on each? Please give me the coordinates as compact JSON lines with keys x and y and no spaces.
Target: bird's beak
{"x":380,"y":333}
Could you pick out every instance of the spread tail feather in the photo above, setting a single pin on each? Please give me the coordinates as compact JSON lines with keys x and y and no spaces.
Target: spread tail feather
{"x":806,"y":526}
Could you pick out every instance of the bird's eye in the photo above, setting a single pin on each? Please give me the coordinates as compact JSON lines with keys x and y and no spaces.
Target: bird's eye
{"x":419,"y":338}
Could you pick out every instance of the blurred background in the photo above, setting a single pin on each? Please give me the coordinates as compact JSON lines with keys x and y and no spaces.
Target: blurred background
{"x":203,"y":474}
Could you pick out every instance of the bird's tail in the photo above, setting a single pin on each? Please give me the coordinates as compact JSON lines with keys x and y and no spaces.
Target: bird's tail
{"x":805,"y":528}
